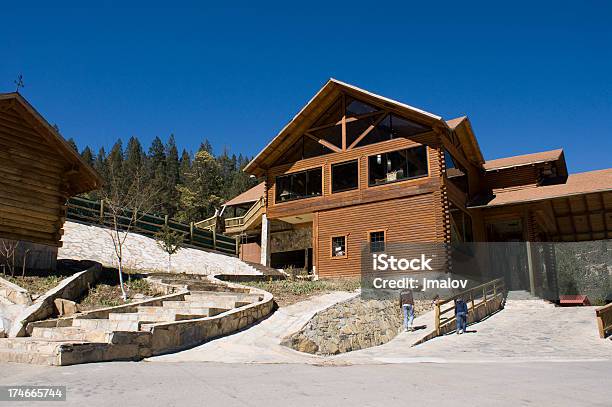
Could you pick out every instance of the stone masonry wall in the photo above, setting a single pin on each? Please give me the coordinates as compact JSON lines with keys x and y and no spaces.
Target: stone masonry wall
{"x":84,"y":242}
{"x":350,"y":325}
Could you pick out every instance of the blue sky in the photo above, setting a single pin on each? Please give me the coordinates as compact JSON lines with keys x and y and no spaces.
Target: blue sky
{"x":530,"y":75}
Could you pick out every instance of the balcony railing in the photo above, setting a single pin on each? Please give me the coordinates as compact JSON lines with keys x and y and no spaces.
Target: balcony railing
{"x":248,"y":218}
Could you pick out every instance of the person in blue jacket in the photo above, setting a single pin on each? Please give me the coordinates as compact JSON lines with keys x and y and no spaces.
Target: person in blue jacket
{"x":461,"y":312}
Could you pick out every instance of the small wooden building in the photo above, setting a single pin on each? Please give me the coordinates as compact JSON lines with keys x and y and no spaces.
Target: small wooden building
{"x":39,"y":171}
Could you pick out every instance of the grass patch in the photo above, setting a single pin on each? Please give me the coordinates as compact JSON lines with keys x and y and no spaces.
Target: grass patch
{"x":34,"y":284}
{"x":287,"y":292}
{"x":107,"y":293}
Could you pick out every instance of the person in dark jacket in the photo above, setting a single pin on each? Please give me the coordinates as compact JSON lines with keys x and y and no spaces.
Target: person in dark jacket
{"x":407,"y":304}
{"x":461,"y":311}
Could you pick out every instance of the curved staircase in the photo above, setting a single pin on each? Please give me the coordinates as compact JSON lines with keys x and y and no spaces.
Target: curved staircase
{"x":196,"y":309}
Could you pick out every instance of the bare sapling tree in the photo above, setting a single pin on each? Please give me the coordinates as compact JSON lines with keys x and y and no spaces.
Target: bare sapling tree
{"x":126,"y":201}
{"x":7,"y":253}
{"x":169,"y":241}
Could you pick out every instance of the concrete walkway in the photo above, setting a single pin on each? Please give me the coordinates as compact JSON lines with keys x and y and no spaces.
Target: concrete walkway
{"x":525,"y":331}
{"x":261,"y":343}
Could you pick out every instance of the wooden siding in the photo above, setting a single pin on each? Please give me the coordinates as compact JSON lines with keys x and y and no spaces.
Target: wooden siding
{"x":411,"y":219}
{"x":511,"y":179}
{"x":32,"y":183}
{"x":364,"y":193}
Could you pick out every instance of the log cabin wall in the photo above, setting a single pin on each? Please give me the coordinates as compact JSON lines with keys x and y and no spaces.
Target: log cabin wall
{"x":409,"y":219}
{"x":32,"y":183}
{"x":408,"y":211}
{"x":510,"y":179}
{"x":364,"y":193}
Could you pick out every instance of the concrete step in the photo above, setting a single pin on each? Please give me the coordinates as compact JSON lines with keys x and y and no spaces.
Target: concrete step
{"x":183,"y":308}
{"x":161,"y":316}
{"x":70,"y":333}
{"x":106,"y":325}
{"x":211,"y":295}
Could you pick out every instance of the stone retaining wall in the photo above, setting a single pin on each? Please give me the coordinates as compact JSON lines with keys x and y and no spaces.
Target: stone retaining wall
{"x":142,"y":253}
{"x":350,"y":325}
{"x":70,"y":288}
{"x":14,"y":293}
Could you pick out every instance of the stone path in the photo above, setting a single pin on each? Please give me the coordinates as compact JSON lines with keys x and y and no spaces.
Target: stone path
{"x":261,"y":343}
{"x":525,"y":331}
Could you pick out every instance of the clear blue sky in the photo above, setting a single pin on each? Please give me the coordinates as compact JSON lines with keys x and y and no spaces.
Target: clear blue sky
{"x":531,"y":76}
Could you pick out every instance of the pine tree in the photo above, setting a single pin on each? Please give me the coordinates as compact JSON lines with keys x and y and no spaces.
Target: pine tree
{"x":87,"y":156}
{"x":200,"y":196}
{"x":156,"y":169}
{"x":134,"y":158}
{"x":115,"y":163}
{"x":185,"y":166}
{"x":171,"y":194}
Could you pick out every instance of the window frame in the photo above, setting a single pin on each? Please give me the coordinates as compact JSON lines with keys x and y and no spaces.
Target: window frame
{"x":331,"y":175}
{"x":384,"y":241}
{"x":371,"y":185}
{"x":306,"y":170}
{"x":331,"y":246}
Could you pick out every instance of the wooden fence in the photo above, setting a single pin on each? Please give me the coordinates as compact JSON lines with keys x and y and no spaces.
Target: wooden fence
{"x":482,"y":300}
{"x":604,"y":320}
{"x":93,"y":213}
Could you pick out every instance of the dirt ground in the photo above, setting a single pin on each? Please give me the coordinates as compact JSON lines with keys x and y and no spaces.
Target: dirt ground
{"x":287,"y":292}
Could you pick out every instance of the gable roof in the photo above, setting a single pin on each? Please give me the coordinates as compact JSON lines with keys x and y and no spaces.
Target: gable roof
{"x":81,"y":177}
{"x":316,"y":106}
{"x":463,"y":129}
{"x":248,"y":196}
{"x":525,"y":159}
{"x":576,"y":184}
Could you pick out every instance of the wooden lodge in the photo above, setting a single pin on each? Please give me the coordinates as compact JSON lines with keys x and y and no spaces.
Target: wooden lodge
{"x":39,"y":171}
{"x":353,"y":168}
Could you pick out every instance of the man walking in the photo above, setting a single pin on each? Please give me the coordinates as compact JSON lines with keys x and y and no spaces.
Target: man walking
{"x":461,"y":311}
{"x":407,"y":304}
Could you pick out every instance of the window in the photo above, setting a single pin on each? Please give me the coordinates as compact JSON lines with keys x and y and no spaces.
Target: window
{"x":303,"y":184}
{"x":392,"y":127}
{"x":455,"y":173}
{"x":461,"y":226}
{"x":377,"y":241}
{"x":344,"y":176}
{"x":338,"y":248}
{"x":397,"y":165}
{"x":305,"y":147}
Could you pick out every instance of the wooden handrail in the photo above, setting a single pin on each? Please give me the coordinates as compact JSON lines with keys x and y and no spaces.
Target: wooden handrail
{"x":495,"y":287}
{"x":604,"y":319}
{"x":244,"y":219}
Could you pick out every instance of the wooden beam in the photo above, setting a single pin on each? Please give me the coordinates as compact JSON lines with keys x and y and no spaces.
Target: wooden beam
{"x":323,"y":142}
{"x":571,"y":216}
{"x":588,"y":215}
{"x":348,"y":120}
{"x":343,"y":122}
{"x":368,"y":130}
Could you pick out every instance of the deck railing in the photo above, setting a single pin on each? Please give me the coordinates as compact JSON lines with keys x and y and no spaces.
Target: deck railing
{"x":482,"y":300}
{"x":96,"y":213}
{"x":604,"y":320}
{"x":244,"y":220}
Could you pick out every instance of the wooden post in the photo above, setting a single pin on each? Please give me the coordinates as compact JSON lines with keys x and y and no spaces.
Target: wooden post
{"x":532,"y":287}
{"x":102,"y":211}
{"x":437,"y":319}
{"x":166,"y":220}
{"x":236,"y":238}
{"x":214,"y":236}
{"x":191,"y":232}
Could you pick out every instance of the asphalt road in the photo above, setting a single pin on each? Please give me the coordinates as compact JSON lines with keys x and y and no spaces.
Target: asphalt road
{"x":123,"y":384}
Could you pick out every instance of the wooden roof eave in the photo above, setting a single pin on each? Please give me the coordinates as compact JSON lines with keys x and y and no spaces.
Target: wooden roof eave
{"x":81,"y":175}
{"x":316,"y":106}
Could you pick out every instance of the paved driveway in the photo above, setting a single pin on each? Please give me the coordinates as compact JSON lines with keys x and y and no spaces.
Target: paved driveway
{"x":227,"y":385}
